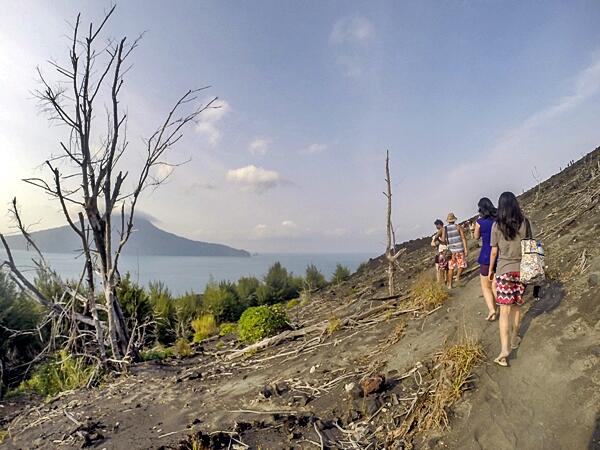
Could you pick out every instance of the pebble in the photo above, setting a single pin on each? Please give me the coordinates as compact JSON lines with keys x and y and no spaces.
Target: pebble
{"x":593,"y":279}
{"x":349,"y":387}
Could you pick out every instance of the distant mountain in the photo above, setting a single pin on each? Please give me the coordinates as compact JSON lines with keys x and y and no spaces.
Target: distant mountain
{"x":146,"y":239}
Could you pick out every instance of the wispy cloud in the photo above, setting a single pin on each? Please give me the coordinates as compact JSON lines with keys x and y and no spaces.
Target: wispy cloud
{"x":207,"y":125}
{"x":286,"y":229}
{"x":255,"y":179}
{"x":314,"y":148}
{"x":352,"y":30}
{"x":351,"y":38}
{"x":259,"y":146}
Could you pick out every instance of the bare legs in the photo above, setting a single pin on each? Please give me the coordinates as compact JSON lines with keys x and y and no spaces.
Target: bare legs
{"x":488,"y":295}
{"x":450,"y":277}
{"x":510,"y":321}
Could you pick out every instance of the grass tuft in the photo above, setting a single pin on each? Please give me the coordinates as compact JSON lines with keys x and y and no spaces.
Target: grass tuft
{"x":204,"y":327}
{"x":333,"y":325}
{"x":456,"y":365}
{"x":64,"y":372}
{"x":427,"y":293}
{"x":182,"y":348}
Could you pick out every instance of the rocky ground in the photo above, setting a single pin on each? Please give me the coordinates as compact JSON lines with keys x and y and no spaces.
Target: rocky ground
{"x":355,"y":368}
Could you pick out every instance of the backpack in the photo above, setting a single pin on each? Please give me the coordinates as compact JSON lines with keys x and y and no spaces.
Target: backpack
{"x":532,"y":258}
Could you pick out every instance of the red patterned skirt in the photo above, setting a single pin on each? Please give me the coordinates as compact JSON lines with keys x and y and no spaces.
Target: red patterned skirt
{"x":509,"y":289}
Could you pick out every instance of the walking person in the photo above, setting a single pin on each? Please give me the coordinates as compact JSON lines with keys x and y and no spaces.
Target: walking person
{"x":483,"y":231}
{"x":507,"y":232}
{"x":454,"y":235}
{"x":441,"y":259}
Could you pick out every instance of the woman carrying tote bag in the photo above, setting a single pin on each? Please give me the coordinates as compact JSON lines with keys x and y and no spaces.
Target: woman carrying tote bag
{"x":510,"y":228}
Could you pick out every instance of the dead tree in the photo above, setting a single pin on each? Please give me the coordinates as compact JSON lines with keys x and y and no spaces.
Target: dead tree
{"x":391,"y":254}
{"x":85,"y":177}
{"x":538,"y":188}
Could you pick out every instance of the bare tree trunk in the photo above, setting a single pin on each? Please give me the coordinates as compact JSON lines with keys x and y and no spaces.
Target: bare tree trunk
{"x":96,"y":188}
{"x":391,"y":253}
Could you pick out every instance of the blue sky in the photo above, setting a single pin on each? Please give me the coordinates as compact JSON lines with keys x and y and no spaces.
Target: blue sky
{"x":469,"y":97}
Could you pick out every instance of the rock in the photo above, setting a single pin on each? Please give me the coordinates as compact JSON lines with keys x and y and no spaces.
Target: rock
{"x":372,"y":405}
{"x":281,"y":388}
{"x":266,"y":391}
{"x":593,"y":279}
{"x":356,"y":392}
{"x":372,"y":384}
{"x":349,"y":387}
{"x":313,"y":369}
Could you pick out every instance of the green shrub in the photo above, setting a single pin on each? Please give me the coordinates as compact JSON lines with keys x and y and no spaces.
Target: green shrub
{"x":163,"y":308}
{"x":3,"y":435}
{"x":222,"y":301}
{"x":63,"y":373}
{"x":260,"y":322}
{"x":279,"y":286}
{"x":187,"y":307}
{"x":246,"y":288}
{"x":342,"y":273}
{"x":313,"y":278}
{"x":182,"y":348}
{"x":204,"y":327}
{"x":157,"y":353}
{"x":228,"y":328}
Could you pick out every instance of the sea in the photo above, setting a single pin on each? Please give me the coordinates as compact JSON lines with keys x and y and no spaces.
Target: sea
{"x":183,"y":274}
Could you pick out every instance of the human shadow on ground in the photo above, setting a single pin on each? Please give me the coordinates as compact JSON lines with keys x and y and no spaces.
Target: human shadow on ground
{"x":552,"y":293}
{"x":595,"y":441}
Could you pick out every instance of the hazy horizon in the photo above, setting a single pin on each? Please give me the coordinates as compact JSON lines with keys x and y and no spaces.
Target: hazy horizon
{"x":311,"y":97}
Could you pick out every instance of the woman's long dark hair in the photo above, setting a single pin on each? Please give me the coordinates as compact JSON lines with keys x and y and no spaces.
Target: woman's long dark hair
{"x":487,"y":210}
{"x":510,"y":217}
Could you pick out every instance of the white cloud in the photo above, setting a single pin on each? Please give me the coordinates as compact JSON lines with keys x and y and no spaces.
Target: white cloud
{"x":254,"y":179}
{"x":207,"y":125}
{"x":286,"y":229}
{"x":353,"y":30}
{"x":259,"y":146}
{"x":351,"y":38}
{"x":315,"y":148}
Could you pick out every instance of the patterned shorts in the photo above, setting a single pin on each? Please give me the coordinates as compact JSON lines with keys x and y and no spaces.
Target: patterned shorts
{"x":509,"y":289}
{"x":458,"y":261}
{"x":441,"y":261}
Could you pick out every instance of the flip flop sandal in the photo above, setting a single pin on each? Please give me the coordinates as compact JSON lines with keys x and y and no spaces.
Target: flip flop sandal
{"x":491,"y":317}
{"x":501,"y":361}
{"x":516,"y":343}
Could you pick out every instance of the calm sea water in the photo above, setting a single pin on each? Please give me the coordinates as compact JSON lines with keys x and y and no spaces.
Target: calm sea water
{"x":182,"y":274}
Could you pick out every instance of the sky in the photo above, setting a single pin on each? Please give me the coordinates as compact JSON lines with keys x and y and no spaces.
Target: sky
{"x":471,"y":98}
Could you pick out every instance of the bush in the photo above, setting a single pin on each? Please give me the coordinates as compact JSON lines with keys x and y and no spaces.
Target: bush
{"x":18,"y":313}
{"x":342,"y":273}
{"x":246,"y":288}
{"x":279,"y":286}
{"x":228,"y":328}
{"x":427,"y":293}
{"x":204,"y":327}
{"x":157,"y":353}
{"x":163,"y":308}
{"x":182,"y":348}
{"x":222,"y":301}
{"x":187,"y":307}
{"x":63,"y":373}
{"x":260,"y":322}
{"x":314,"y":279}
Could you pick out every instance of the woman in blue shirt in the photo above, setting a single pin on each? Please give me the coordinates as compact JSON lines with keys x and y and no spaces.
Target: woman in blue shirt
{"x":483,"y":230}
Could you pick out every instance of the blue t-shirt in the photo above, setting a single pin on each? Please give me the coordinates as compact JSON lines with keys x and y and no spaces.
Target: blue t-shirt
{"x":485,"y":226}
